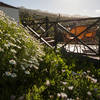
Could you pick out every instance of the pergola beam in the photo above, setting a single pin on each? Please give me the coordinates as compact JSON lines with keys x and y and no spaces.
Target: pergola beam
{"x":89,"y":27}
{"x":64,"y":28}
{"x":71,"y":20}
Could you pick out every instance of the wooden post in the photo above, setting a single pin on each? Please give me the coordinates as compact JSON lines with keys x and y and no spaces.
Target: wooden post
{"x":99,"y":47}
{"x":55,"y":34}
{"x":46,"y":26}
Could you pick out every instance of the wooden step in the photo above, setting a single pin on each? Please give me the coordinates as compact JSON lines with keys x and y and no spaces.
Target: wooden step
{"x":48,"y":38}
{"x":51,"y":41}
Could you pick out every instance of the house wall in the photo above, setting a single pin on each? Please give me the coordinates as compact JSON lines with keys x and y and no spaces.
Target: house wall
{"x":11,"y":12}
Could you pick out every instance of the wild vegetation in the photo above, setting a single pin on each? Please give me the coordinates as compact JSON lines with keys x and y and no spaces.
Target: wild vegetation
{"x":30,"y":71}
{"x":19,"y":57}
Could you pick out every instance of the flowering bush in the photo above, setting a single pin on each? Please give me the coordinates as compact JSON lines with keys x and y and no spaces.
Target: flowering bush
{"x":59,"y":81}
{"x":19,"y":55}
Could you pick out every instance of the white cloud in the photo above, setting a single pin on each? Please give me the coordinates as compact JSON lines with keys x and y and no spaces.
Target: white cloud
{"x":84,"y":10}
{"x":97,"y":11}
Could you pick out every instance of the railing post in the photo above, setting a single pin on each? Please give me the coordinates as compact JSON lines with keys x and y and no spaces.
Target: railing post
{"x":99,"y":47}
{"x":46,"y":26}
{"x":55,"y":34}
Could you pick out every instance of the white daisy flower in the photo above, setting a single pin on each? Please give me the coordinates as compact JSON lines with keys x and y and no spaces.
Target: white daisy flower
{"x":89,"y":93}
{"x":94,"y":80}
{"x":13,"y":62}
{"x":47,"y":82}
{"x":70,"y":87}
{"x":7,"y":45}
{"x":36,"y":67}
{"x":63,"y":95}
{"x":58,"y":94}
{"x":23,"y":68}
{"x":27,"y":72}
{"x":11,"y":44}
{"x":7,"y":73}
{"x":13,"y":75}
{"x":13,"y":51}
{"x":18,"y":47}
{"x":19,"y":41}
{"x":1,"y":50}
{"x":64,"y":83}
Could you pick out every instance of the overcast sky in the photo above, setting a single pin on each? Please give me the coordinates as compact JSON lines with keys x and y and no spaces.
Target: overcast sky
{"x":71,"y":7}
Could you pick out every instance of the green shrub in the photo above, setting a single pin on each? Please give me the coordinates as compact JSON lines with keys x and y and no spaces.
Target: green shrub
{"x":59,"y":82}
{"x":19,"y":57}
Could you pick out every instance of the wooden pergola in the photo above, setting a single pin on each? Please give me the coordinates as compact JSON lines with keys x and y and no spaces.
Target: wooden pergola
{"x":45,"y":25}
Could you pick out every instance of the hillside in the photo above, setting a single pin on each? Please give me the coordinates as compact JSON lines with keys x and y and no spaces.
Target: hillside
{"x":38,"y":14}
{"x":30,"y":16}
